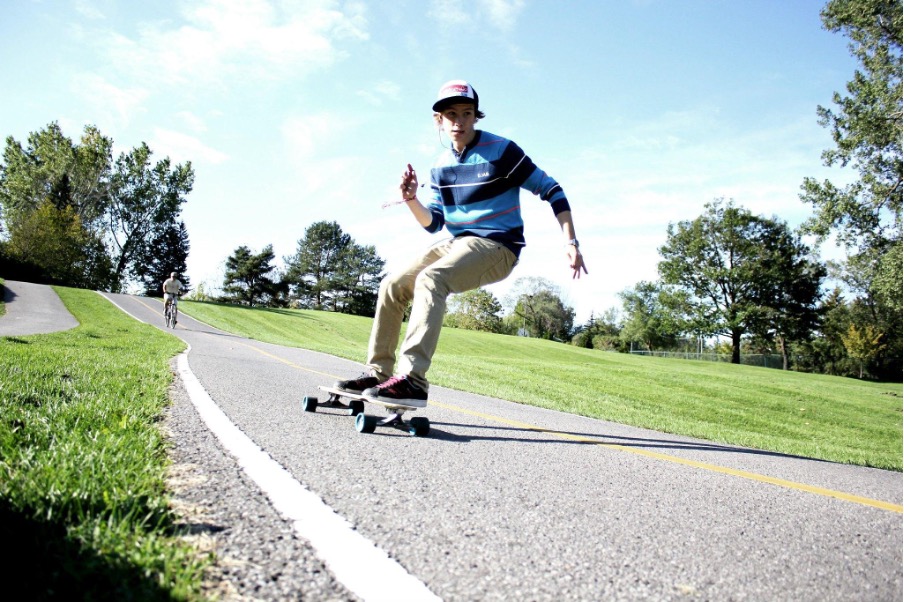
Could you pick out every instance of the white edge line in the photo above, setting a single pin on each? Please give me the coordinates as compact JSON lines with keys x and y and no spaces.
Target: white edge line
{"x":356,"y":562}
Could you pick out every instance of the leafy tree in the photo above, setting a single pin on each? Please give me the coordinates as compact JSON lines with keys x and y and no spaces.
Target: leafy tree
{"x":54,"y":242}
{"x":600,"y":332}
{"x":312,"y":271}
{"x":144,"y":200}
{"x":825,"y":351}
{"x":167,"y":253}
{"x":739,"y":271}
{"x":866,"y":126}
{"x":52,"y":167}
{"x":127,"y":208}
{"x":539,"y":310}
{"x":357,"y":283}
{"x":477,"y":309}
{"x":247,"y":279}
{"x":330,"y":271}
{"x":789,"y":296}
{"x":864,"y":345}
{"x":653,"y":315}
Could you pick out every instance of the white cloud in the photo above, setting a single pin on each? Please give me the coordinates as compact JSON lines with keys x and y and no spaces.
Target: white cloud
{"x":192,"y":121}
{"x":503,"y":13}
{"x":180,"y":148}
{"x":306,"y":136}
{"x":380,"y":91}
{"x":247,"y":38}
{"x":500,"y":14}
{"x":110,"y":106}
{"x":88,"y":9}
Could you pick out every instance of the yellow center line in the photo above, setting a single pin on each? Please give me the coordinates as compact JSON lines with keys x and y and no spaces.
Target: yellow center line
{"x":743,"y":474}
{"x":692,"y":463}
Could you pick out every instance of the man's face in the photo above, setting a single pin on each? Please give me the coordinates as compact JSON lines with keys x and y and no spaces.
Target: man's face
{"x":458,"y":122}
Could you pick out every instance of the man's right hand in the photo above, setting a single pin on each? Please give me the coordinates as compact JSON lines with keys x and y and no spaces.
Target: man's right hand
{"x":409,"y":184}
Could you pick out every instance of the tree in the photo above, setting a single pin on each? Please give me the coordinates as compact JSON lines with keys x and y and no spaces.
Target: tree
{"x":866,"y":129}
{"x":58,"y":248}
{"x":53,"y":196}
{"x":144,"y":200}
{"x":167,"y":253}
{"x":789,"y":295}
{"x":316,"y":263}
{"x":357,"y":282}
{"x":864,"y":345}
{"x":246,"y":280}
{"x":330,"y":271}
{"x":738,"y":271}
{"x":600,"y":332}
{"x":127,"y":209}
{"x":539,"y":310}
{"x":652,"y":315}
{"x":477,"y":309}
{"x":866,"y":125}
{"x":52,"y":167}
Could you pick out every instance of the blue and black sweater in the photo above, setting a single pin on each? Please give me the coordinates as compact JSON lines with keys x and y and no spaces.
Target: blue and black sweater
{"x":476,"y":193}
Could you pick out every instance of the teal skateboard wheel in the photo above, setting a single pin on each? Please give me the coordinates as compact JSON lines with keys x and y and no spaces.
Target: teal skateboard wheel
{"x":309,"y":404}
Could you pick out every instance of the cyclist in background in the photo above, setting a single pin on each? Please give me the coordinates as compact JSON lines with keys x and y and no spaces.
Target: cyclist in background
{"x":171,"y":289}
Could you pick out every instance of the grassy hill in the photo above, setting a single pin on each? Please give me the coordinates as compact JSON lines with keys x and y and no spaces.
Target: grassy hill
{"x":825,"y":417}
{"x":83,"y":461}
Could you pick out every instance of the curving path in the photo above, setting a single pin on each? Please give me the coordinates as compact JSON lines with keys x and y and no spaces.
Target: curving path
{"x":33,"y":309}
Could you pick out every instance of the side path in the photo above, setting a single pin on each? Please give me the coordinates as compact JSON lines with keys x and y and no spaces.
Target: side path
{"x":33,"y":309}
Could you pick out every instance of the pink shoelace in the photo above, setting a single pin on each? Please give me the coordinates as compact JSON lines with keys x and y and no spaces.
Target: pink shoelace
{"x":389,"y":383}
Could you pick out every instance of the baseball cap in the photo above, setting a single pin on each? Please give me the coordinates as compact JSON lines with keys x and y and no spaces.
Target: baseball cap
{"x":455,"y":91}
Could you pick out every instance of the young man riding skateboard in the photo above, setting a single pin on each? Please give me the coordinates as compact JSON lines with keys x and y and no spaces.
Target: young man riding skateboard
{"x":474,"y":193}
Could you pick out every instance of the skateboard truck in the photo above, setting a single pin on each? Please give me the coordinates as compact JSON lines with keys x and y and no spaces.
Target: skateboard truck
{"x":352,"y":408}
{"x":418,"y":426}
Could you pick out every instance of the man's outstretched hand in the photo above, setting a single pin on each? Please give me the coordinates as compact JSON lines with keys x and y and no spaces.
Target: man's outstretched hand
{"x":576,"y":261}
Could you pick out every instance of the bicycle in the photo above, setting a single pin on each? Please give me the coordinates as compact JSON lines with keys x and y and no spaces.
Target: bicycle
{"x":170,"y":313}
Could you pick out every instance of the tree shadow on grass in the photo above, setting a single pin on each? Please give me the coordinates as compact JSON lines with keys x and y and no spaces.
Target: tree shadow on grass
{"x":43,"y":563}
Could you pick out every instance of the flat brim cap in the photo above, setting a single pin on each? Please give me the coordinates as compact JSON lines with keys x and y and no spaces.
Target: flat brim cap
{"x":455,"y":91}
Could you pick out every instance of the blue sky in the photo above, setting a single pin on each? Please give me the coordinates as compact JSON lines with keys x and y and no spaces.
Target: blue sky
{"x":299,"y":111}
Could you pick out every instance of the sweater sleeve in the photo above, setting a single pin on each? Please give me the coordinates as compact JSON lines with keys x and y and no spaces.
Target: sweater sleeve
{"x":539,"y":183}
{"x":435,"y":207}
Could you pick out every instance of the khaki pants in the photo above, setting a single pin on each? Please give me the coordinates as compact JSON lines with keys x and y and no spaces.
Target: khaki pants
{"x":455,"y":265}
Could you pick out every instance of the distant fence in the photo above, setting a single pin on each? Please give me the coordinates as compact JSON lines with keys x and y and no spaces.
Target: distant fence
{"x":763,"y":360}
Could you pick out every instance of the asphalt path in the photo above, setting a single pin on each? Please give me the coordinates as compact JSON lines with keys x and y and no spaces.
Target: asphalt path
{"x":33,"y":309}
{"x":504,"y":501}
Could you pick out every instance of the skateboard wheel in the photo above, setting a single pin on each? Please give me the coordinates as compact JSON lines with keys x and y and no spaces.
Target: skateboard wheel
{"x":365,"y":423}
{"x":309,"y":404}
{"x":356,"y":407}
{"x":419,"y":426}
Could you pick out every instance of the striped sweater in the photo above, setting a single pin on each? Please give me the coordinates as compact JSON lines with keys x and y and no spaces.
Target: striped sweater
{"x":476,"y":193}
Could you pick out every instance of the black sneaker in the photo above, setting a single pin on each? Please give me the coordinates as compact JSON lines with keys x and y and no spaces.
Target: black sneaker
{"x":398,"y":389}
{"x":356,"y":385}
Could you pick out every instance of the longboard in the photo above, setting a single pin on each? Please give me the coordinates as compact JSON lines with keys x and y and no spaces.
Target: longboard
{"x":419,"y":426}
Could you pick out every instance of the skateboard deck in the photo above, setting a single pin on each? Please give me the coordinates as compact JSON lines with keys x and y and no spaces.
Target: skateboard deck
{"x":419,"y":427}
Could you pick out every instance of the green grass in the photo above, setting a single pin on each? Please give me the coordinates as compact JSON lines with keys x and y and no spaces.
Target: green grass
{"x":817,"y":416}
{"x":83,"y":500}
